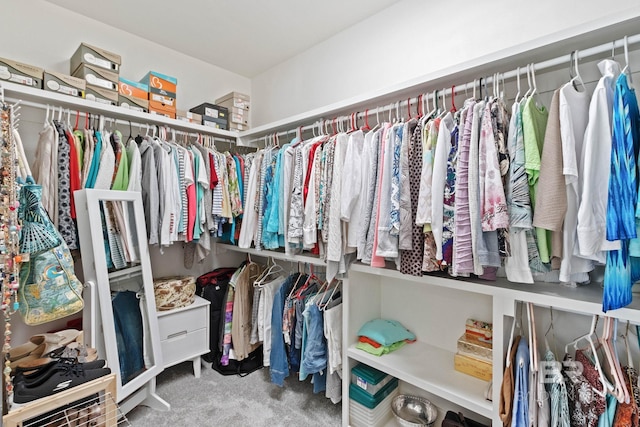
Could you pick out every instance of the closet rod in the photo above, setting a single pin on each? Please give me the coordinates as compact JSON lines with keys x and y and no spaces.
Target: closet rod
{"x":82,"y":114}
{"x":549,"y":63}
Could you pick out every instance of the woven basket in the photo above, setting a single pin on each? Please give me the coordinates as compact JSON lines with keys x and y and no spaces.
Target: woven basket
{"x":174,"y":292}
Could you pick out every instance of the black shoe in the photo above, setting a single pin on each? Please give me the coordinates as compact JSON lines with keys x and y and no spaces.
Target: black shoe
{"x":68,"y":376}
{"x":33,"y":376}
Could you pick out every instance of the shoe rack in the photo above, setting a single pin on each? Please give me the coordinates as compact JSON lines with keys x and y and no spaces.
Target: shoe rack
{"x":98,"y":317}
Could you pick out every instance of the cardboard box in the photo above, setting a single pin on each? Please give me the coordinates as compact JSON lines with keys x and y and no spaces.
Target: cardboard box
{"x":101,"y":95}
{"x":480,"y":330}
{"x":97,"y":76}
{"x":215,"y":123}
{"x":61,"y":83}
{"x":237,"y":127}
{"x":133,"y":89}
{"x":474,"y":367}
{"x":18,"y":72}
{"x":475,"y":348}
{"x":188,"y":116}
{"x":240,"y":119}
{"x":162,"y":112}
{"x":161,"y":102}
{"x":88,"y":54}
{"x":234,"y":99}
{"x":133,"y":103}
{"x":211,"y":111}
{"x":158,"y":82}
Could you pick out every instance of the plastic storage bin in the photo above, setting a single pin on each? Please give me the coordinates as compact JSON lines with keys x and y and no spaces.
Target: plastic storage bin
{"x":369,"y":379}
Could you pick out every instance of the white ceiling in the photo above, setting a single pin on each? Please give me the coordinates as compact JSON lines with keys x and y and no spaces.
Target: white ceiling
{"x":246,"y":37}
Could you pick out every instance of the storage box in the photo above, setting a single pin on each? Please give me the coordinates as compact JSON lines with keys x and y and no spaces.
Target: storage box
{"x":207,"y":110}
{"x":240,"y":119}
{"x":188,"y":116}
{"x":61,"y":83}
{"x":369,"y":401}
{"x":133,"y":89}
{"x":361,"y":416}
{"x":88,"y":54}
{"x":474,"y":367}
{"x":475,"y":348}
{"x":215,"y":123}
{"x":161,"y":84}
{"x":237,"y":127}
{"x":101,"y":95}
{"x":133,"y":103}
{"x":18,"y":72}
{"x":170,"y":113}
{"x":234,"y":99}
{"x":479,"y":330}
{"x":161,"y":102}
{"x":97,"y":76}
{"x":369,"y":379}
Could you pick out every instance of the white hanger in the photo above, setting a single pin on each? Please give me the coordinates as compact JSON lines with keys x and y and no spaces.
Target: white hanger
{"x":626,"y":70}
{"x":533,"y":79}
{"x":589,"y":337}
{"x":474,"y":89}
{"x":529,"y":88}
{"x":620,"y":388}
{"x":444,"y":103}
{"x":576,"y":71}
{"x":46,"y":117}
{"x":516,"y":321}
{"x":533,"y":345}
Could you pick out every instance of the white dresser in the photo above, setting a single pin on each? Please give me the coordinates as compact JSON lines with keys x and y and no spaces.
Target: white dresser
{"x":184,"y":334}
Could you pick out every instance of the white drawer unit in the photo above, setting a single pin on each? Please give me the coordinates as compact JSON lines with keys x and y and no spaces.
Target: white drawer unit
{"x":184,"y":334}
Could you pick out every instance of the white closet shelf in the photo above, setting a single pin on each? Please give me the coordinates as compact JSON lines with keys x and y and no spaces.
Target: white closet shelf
{"x":309,"y":259}
{"x":14,"y":92}
{"x":584,"y":299}
{"x":431,"y":369}
{"x":126,"y":273}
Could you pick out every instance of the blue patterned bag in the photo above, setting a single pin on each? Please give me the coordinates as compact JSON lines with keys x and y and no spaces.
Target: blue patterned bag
{"x":49,"y":289}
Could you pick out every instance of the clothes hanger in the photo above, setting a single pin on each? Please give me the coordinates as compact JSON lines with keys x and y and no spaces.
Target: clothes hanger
{"x":453,"y":99}
{"x":533,"y":344}
{"x":323,"y":305}
{"x":576,"y":79}
{"x":553,"y":334}
{"x":444,"y":111}
{"x":516,"y":323}
{"x":620,"y":389}
{"x":589,"y":338}
{"x":626,"y":69}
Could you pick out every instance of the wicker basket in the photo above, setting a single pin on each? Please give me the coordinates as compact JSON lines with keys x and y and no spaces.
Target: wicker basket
{"x":174,"y":292}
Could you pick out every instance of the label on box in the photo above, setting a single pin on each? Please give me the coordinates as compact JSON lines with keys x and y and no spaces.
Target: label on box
{"x":212,"y":124}
{"x":91,"y":59}
{"x":5,"y":74}
{"x":132,"y":107}
{"x":361,"y":383}
{"x":92,"y":97}
{"x":56,"y":87}
{"x":211,"y":112}
{"x":162,"y":99}
{"x":97,"y":81}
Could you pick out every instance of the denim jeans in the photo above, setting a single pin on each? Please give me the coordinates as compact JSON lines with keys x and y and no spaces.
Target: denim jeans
{"x":314,"y":358}
{"x":278,"y":359}
{"x":129,"y":335}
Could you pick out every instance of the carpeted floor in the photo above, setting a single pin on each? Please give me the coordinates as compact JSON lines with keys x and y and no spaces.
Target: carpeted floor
{"x":230,"y":401}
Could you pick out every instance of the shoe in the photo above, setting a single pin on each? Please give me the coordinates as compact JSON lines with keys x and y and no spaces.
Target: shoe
{"x":33,"y":377}
{"x":40,"y":346}
{"x":67,"y":377}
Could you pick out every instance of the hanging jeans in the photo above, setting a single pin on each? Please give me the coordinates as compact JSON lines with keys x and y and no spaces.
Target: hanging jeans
{"x":129,"y":334}
{"x":314,"y":358}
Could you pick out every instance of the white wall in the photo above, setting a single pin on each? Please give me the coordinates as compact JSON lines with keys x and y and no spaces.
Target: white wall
{"x":46,"y":35}
{"x":410,"y":39}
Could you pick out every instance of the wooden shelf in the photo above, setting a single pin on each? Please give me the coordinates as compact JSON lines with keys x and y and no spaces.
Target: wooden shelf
{"x":306,"y":258}
{"x":14,"y":92}
{"x":431,"y":369}
{"x":584,"y":299}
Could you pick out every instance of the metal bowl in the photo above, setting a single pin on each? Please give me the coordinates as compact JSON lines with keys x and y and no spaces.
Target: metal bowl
{"x":411,"y":411}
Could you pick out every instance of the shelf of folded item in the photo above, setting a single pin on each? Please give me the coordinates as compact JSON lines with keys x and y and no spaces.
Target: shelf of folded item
{"x":125,"y":273}
{"x":304,"y":257}
{"x":14,"y":92}
{"x":431,"y":369}
{"x":585,"y":299}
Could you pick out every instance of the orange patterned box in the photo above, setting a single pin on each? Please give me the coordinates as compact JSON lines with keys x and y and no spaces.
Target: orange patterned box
{"x":133,"y":89}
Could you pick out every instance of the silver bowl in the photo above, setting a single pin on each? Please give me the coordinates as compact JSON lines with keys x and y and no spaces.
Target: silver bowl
{"x":411,"y":411}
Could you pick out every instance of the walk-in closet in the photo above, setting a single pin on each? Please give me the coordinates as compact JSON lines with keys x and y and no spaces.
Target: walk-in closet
{"x":372,"y":213}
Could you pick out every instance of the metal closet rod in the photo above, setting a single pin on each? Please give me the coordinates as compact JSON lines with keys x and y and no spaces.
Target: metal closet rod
{"x":550,"y":63}
{"x":82,"y":114}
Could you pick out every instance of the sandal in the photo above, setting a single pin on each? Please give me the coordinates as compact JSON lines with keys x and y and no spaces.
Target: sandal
{"x":41,"y":345}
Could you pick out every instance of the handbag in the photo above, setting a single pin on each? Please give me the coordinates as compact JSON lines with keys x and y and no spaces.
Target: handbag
{"x":49,"y":289}
{"x":456,"y":419}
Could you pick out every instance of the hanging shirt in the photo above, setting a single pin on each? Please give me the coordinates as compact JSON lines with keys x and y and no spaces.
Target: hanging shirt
{"x":370,"y":179}
{"x":250,"y":219}
{"x":352,"y":198}
{"x":386,"y":245}
{"x":474,"y":188}
{"x":574,"y":115}
{"x":439,"y":178}
{"x":149,"y":185}
{"x":135,"y":166}
{"x":595,"y":160}
{"x":521,"y":389}
{"x":622,"y":200}
{"x":534,"y":124}
{"x":406,"y":222}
